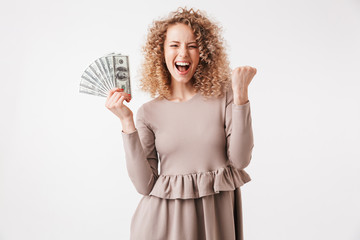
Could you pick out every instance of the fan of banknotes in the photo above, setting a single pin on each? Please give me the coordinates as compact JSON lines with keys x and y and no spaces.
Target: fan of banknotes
{"x":105,"y":73}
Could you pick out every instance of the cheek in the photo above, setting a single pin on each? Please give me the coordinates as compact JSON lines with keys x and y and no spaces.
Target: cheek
{"x":168,"y":61}
{"x":196,"y":57}
{"x":166,"y":55}
{"x":169,"y":55}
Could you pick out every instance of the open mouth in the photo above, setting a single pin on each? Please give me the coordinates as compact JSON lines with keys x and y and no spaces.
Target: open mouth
{"x":182,"y":67}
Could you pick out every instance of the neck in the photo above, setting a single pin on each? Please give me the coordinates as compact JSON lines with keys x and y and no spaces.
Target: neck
{"x":182,"y":91}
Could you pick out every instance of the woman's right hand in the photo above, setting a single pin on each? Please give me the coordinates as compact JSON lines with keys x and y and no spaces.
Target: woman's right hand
{"x":114,"y":103}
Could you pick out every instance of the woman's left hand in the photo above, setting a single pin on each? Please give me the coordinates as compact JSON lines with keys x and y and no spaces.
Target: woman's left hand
{"x":241,"y":78}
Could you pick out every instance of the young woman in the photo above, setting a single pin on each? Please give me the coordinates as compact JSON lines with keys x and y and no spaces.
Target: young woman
{"x":198,"y":127}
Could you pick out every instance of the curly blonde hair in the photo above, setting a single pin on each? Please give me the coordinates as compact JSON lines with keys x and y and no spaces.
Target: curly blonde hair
{"x":213,"y":74}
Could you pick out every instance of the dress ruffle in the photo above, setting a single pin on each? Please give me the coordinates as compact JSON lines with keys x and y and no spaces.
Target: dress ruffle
{"x":196,"y":185}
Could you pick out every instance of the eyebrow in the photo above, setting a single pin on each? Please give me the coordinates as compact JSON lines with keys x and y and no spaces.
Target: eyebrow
{"x":178,"y":42}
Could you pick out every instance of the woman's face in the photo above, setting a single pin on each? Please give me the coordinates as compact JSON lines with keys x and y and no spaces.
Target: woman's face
{"x":181,"y":52}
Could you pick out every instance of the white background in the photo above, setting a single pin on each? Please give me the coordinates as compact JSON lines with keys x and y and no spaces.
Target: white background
{"x":62,"y":169}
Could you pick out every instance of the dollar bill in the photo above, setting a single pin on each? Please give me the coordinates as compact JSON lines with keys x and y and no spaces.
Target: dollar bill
{"x":105,"y":73}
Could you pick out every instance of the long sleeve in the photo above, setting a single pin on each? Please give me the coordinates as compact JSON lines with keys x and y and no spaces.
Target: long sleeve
{"x":239,"y":133}
{"x":141,"y":155}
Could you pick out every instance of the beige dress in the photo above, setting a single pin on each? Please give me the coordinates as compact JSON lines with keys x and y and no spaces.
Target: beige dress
{"x":203,"y":146}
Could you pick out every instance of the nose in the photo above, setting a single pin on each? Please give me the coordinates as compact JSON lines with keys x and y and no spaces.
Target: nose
{"x":183,"y":51}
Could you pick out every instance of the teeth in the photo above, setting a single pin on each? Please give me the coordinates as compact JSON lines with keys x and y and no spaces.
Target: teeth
{"x":182,"y":63}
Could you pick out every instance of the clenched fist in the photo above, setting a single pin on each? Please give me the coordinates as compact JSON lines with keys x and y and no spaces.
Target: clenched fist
{"x":241,"y":77}
{"x":114,"y":103}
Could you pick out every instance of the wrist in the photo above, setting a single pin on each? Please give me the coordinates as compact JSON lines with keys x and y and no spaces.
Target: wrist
{"x":128,"y":125}
{"x":241,"y":98}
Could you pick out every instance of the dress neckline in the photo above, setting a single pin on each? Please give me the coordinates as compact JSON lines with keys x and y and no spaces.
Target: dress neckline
{"x":183,"y":102}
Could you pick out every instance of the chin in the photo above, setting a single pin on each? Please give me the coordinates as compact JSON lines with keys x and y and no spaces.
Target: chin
{"x":181,"y":79}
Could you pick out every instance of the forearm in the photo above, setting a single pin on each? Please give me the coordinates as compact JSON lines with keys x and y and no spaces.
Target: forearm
{"x":138,"y":167}
{"x":241,"y":140}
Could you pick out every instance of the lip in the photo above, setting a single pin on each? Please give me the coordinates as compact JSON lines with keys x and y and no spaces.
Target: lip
{"x":182,"y":73}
